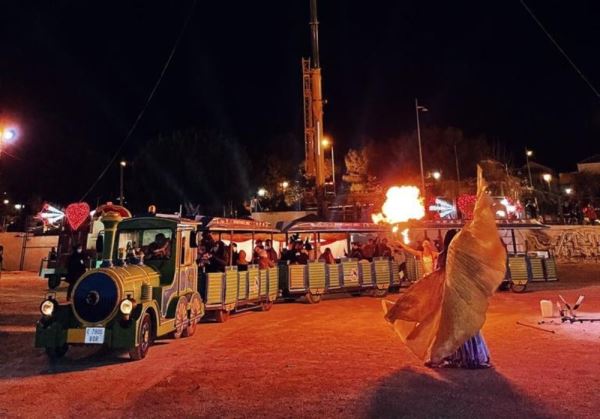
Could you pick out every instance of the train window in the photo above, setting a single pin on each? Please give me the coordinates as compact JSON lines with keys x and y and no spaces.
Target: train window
{"x":153,"y":244}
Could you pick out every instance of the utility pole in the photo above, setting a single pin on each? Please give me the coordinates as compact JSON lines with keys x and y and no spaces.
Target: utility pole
{"x":417,"y":110}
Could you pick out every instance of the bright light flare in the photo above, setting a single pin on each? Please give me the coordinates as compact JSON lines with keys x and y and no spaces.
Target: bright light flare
{"x":9,"y":134}
{"x":403,"y":203}
{"x":405,"y":237}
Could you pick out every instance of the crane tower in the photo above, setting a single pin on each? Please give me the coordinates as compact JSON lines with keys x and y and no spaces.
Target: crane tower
{"x":313,"y":107}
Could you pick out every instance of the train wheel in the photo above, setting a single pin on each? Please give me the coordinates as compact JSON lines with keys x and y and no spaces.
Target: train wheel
{"x":56,"y":352}
{"x":221,"y":316}
{"x":181,"y":318}
{"x":53,"y":282}
{"x":266,"y":305}
{"x":313,"y":298}
{"x":144,"y":339}
{"x":518,"y":287}
{"x":380,"y":292}
{"x":195,"y":313}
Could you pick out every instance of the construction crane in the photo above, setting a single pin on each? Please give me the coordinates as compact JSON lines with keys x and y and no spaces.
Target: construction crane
{"x":313,"y":109}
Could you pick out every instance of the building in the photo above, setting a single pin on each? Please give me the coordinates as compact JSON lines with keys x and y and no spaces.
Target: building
{"x":590,"y":165}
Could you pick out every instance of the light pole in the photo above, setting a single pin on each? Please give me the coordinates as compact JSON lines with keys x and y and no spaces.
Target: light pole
{"x":326,"y":142}
{"x":122,"y":166}
{"x":418,"y":109}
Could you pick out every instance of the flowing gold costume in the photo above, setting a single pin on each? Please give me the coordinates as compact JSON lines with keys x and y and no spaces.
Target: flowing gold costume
{"x":439,"y":313}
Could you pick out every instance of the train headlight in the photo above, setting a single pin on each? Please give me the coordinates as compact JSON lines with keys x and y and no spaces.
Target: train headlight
{"x":126,"y":306}
{"x":47,"y":308}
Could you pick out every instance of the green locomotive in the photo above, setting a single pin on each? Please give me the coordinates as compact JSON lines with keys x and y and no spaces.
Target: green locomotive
{"x":128,"y":302}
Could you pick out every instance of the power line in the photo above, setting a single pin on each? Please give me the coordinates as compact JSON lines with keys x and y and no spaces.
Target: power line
{"x":148,"y":100}
{"x":562,"y":51}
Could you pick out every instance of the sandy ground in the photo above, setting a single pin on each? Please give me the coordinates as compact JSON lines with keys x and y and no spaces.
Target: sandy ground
{"x":335,"y":359}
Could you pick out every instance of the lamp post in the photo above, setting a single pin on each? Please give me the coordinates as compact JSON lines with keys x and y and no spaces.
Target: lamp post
{"x":122,"y":166}
{"x":326,"y":142}
{"x":418,"y":109}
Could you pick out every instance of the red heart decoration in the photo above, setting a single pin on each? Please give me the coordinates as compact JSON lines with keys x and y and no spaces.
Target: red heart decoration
{"x":77,"y":214}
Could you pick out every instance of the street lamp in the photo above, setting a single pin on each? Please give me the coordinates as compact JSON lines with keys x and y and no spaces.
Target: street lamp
{"x":262,"y":192}
{"x":326,"y":142}
{"x":6,"y":202}
{"x":547,"y":178}
{"x":568,"y":191}
{"x":7,"y":135}
{"x":418,"y":109}
{"x":529,"y":153}
{"x":122,"y":166}
{"x":436,"y":175}
{"x":285,"y":185}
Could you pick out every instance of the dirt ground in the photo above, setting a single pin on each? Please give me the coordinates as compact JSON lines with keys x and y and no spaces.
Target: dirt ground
{"x":334,"y":359}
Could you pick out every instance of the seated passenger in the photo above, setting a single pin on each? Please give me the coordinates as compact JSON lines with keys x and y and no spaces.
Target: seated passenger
{"x":263,"y":260}
{"x":289,"y":253}
{"x":258,"y":246}
{"x":368,"y":250}
{"x":218,"y":258}
{"x":384,"y":250}
{"x":234,"y":253}
{"x":272,"y":253}
{"x":327,"y":257}
{"x":160,"y":248}
{"x":355,"y":252}
{"x":302,"y":256}
{"x":242,"y":262}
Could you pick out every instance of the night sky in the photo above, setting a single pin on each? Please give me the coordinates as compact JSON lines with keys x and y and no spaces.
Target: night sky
{"x":74,"y":75}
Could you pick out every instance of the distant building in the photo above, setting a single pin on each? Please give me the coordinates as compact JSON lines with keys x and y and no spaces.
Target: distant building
{"x":591,"y":164}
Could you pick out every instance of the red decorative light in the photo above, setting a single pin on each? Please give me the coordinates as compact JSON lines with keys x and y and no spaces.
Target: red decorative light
{"x":77,"y":213}
{"x":466,"y":205}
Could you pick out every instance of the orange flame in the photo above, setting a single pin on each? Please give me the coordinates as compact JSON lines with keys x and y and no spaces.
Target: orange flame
{"x":405,"y":237}
{"x":402,"y":203}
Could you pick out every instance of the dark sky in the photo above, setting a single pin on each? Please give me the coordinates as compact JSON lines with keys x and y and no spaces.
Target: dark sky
{"x":75,"y":74}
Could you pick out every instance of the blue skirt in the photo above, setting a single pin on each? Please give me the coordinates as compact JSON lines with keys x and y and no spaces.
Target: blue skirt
{"x":473,"y":353}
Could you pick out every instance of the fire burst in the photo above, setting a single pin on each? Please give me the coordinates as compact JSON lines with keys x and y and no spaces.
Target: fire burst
{"x":403,"y":203}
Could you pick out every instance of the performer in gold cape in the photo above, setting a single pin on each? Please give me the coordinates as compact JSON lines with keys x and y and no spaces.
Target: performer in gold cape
{"x":440,"y":317}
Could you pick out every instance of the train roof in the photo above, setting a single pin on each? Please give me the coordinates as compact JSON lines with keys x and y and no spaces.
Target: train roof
{"x":333,"y":227}
{"x":501,"y":224}
{"x":155,"y":221}
{"x":234,"y":224}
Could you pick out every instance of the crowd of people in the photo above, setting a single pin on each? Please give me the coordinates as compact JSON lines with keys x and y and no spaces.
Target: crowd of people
{"x":215,"y":255}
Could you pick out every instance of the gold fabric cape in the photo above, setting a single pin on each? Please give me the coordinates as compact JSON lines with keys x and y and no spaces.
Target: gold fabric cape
{"x":439,"y":313}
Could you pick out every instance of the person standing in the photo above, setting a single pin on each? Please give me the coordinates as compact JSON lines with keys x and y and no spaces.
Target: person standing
{"x":75,"y":268}
{"x":428,"y":256}
{"x":434,"y":317}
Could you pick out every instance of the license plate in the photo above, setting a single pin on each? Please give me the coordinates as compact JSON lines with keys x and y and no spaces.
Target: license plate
{"x":94,"y":335}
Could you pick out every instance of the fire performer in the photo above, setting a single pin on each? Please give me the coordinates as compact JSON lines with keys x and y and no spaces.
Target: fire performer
{"x":427,"y":256}
{"x":439,"y":318}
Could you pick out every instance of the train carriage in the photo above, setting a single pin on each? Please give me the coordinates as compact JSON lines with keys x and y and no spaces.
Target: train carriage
{"x":522,"y":265}
{"x":349,"y":275}
{"x":236,"y":290}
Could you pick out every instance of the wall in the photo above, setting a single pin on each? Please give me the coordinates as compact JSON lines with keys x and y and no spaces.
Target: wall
{"x":36,"y":248}
{"x":569,"y":244}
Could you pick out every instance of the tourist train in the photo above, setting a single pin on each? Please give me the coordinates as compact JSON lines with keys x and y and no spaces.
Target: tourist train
{"x":129,"y":301}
